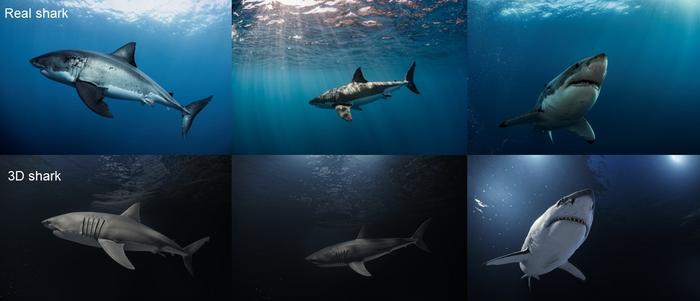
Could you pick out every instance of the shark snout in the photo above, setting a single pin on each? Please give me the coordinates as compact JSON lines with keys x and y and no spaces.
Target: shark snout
{"x":36,"y":62}
{"x":47,"y":223}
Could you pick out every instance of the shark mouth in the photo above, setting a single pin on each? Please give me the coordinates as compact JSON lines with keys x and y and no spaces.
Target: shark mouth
{"x":584,"y":82}
{"x":572,"y":219}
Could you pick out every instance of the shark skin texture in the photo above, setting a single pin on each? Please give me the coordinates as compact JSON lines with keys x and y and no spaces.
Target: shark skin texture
{"x":355,"y":253}
{"x":554,"y":237}
{"x":360,"y":92}
{"x":567,"y":98}
{"x":97,"y":75}
{"x":116,"y":234}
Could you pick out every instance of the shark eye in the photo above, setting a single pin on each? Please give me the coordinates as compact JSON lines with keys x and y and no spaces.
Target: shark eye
{"x":577,"y":65}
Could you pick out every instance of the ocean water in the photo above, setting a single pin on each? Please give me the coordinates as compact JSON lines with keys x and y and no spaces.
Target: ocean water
{"x":287,"y":52}
{"x":287,"y":207}
{"x":183,"y":46}
{"x":182,"y":197}
{"x":643,"y":243}
{"x":648,"y":102}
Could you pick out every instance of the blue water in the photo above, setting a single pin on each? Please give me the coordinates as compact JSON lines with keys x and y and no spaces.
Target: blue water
{"x":287,"y":52}
{"x":186,"y":52}
{"x":648,"y":102}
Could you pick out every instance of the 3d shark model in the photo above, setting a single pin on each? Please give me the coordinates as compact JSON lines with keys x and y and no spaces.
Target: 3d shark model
{"x":96,"y":76}
{"x":355,"y":253}
{"x":118,"y":233}
{"x":360,"y":92}
{"x":566,"y":99}
{"x":554,"y":237}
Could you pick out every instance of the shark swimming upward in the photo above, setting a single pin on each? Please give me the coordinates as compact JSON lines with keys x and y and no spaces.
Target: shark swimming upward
{"x":118,"y":233}
{"x":554,"y":237}
{"x":355,"y":253}
{"x":96,"y":76}
{"x":361,"y":92}
{"x":567,"y":98}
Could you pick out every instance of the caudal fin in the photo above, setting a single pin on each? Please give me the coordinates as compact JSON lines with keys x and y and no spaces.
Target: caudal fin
{"x":418,"y":236}
{"x":409,"y":78}
{"x":194,"y":109}
{"x":191,"y":249}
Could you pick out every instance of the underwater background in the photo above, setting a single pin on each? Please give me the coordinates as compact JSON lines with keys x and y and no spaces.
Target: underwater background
{"x":184,"y":198}
{"x":184,"y":46}
{"x":648,"y":102}
{"x":287,"y":207}
{"x":644,"y":241}
{"x":286,"y":52}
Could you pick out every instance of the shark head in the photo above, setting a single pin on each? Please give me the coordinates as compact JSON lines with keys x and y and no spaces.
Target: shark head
{"x":583,"y":77}
{"x":61,"y":66}
{"x":573,"y":209}
{"x":325,"y":257}
{"x":65,"y":224}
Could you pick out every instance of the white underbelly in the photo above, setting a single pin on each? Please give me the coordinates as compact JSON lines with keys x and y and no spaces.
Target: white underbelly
{"x":121,"y":93}
{"x":555,"y":246}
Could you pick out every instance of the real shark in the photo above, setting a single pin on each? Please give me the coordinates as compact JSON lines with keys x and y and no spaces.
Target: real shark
{"x":355,"y":253}
{"x":554,"y":237}
{"x":567,"y":98}
{"x":360,"y":92}
{"x":118,"y":233}
{"x":96,"y":76}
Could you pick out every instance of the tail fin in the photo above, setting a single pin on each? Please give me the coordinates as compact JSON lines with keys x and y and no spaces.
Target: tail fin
{"x":409,"y":78}
{"x":194,"y":109}
{"x":191,"y":249}
{"x":418,"y":236}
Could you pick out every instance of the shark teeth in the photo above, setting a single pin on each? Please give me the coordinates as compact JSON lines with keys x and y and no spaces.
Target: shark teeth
{"x":572,"y":219}
{"x":585,"y":82}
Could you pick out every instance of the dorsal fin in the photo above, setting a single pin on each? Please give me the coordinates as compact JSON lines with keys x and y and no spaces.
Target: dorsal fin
{"x":362,"y":233}
{"x":133,"y":212}
{"x":126,"y":53}
{"x":358,"y":77}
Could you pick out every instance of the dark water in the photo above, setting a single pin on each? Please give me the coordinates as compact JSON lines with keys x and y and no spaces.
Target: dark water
{"x":287,"y":52}
{"x":644,"y":241}
{"x":184,"y":48}
{"x":190,"y":200}
{"x":287,"y":207}
{"x":647,"y":103}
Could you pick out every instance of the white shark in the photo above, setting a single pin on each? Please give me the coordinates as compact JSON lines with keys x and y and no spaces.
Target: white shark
{"x":360,"y":92}
{"x":96,"y":76}
{"x":355,"y":253}
{"x":118,"y":233}
{"x":554,"y":237}
{"x":567,"y":98}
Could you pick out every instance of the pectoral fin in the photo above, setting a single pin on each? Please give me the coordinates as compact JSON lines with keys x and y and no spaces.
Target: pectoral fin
{"x":359,"y":267}
{"x":573,"y":270}
{"x":528,"y":117}
{"x":343,"y":112}
{"x":510,"y":258}
{"x":583,"y":129}
{"x":116,"y":251}
{"x":93,"y":97}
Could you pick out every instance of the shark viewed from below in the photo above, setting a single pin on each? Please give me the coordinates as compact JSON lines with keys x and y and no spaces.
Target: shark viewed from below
{"x":96,"y":76}
{"x":567,"y":98}
{"x":116,"y":234}
{"x":554,"y":237}
{"x":355,"y":253}
{"x":360,"y":92}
